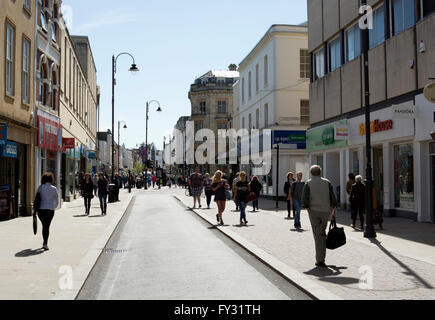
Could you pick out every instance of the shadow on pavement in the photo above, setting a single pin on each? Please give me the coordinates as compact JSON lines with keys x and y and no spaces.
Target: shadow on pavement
{"x":409,"y":271}
{"x":331,"y":274}
{"x":298,"y":230}
{"x":243,"y":225}
{"x":98,"y":216}
{"x":29,"y":253}
{"x":80,"y":216}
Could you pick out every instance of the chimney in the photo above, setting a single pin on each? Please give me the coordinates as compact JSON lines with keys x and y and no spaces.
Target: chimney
{"x":232,"y":67}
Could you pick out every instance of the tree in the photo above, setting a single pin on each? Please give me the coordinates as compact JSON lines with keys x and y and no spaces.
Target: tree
{"x":138,"y":168}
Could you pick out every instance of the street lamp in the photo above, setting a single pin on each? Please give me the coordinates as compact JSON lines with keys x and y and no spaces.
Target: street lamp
{"x":133,"y":69}
{"x":370,"y":230}
{"x":159,"y":109}
{"x":119,"y":129}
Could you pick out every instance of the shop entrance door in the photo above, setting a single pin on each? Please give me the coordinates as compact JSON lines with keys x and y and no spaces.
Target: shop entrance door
{"x":378,"y":175}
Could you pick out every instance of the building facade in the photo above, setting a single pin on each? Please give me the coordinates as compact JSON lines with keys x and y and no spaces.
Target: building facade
{"x":401,"y":61}
{"x":105,"y":152}
{"x":273,"y":94}
{"x":211,"y":97}
{"x":17,"y":133}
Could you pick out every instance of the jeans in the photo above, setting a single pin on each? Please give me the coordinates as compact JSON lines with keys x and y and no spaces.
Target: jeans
{"x":242,"y":206}
{"x":87,"y":204}
{"x":297,"y":205}
{"x":290,"y":207}
{"x":46,"y":216}
{"x":358,"y":210}
{"x":255,"y":205}
{"x":103,"y":203}
{"x":208,"y":195}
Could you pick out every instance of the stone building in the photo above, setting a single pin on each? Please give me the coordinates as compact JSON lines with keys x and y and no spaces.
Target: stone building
{"x":211,"y":97}
{"x":17,"y":133}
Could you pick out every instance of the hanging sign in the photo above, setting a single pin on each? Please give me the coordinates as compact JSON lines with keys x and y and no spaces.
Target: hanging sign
{"x":429,"y":92}
{"x":68,"y":143}
{"x":3,"y":133}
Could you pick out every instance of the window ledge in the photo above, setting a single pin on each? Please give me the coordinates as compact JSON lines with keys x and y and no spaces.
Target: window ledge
{"x":26,"y":106}
{"x":9,"y":97}
{"x":27,"y":11}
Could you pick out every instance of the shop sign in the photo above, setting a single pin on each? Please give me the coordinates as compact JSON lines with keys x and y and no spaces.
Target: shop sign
{"x":9,"y":150}
{"x":49,"y":132}
{"x":294,"y":139}
{"x":404,"y":112}
{"x":3,"y":133}
{"x":92,"y":155}
{"x":376,"y":126}
{"x":323,"y":138}
{"x":341,"y":133}
{"x":429,"y":92}
{"x":68,"y":143}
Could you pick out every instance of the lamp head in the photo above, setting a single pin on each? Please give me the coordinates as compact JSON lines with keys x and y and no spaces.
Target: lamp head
{"x":134,"y":69}
{"x":159,"y":109}
{"x":125,"y":126}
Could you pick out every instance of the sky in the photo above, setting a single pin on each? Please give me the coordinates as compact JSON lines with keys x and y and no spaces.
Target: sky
{"x":173,"y":42}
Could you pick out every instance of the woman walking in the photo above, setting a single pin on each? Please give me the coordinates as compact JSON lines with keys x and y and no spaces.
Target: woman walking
{"x":242,"y":190}
{"x":87,"y":192}
{"x":49,"y":202}
{"x":357,"y":200}
{"x":287,"y":191}
{"x":103,"y":193}
{"x":207,"y":189}
{"x":256,"y":188}
{"x":219,"y":187}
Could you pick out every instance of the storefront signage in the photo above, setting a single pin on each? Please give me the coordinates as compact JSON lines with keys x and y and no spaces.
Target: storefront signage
{"x":92,"y":155}
{"x":68,"y":143}
{"x":376,"y":126}
{"x":49,"y":132}
{"x":404,"y":112}
{"x":297,"y":139}
{"x":429,"y":92}
{"x":9,"y":150}
{"x":341,"y":133}
{"x":3,"y":133}
{"x":325,"y":137}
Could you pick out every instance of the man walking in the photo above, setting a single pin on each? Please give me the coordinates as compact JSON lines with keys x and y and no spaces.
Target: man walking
{"x":296,"y":195}
{"x":196,"y":184}
{"x":233,"y":189}
{"x":318,"y":198}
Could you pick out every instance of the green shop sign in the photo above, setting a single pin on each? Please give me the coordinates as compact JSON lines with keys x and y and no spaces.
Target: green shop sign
{"x":323,"y":138}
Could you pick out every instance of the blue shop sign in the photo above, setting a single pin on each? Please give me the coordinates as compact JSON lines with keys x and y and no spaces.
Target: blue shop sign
{"x":287,"y":137}
{"x":92,"y":155}
{"x":3,"y":133}
{"x":9,"y":150}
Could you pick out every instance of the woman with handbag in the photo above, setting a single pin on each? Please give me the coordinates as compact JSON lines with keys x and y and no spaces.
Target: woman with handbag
{"x":47,"y":203}
{"x":219,"y":187}
{"x":87,"y":192}
{"x":242,"y":191}
{"x":207,"y":189}
{"x":256,"y":189}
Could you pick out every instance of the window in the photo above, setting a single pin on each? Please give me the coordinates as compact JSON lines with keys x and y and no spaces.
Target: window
{"x":319,"y":61}
{"x":243,"y":90}
{"x":222,"y":107}
{"x":221,"y":125}
{"x":25,"y":78}
{"x":377,"y":34}
{"x":266,"y":115}
{"x":53,"y":31}
{"x":266,"y":71}
{"x":428,"y":7}
{"x":403,"y":15}
{"x":10,"y":57}
{"x":353,"y":43}
{"x":243,"y":123}
{"x":203,"y":107}
{"x":257,"y":119}
{"x":334,"y":54}
{"x":249,"y":84}
{"x":404,"y":176}
{"x":250,"y":122}
{"x":257,"y":81}
{"x":305,"y":112}
{"x":43,"y":19}
{"x":304,"y":63}
{"x":199,"y":125}
{"x":27,"y":4}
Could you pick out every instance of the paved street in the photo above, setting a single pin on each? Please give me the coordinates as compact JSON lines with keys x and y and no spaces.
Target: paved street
{"x":403,"y":267}
{"x":163,"y":251}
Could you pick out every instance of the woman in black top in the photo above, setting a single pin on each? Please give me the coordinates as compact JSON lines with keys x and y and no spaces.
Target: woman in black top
{"x":87,"y":192}
{"x":103,"y":193}
{"x":357,"y":200}
{"x":219,"y":186}
{"x":256,"y":188}
{"x":242,"y":190}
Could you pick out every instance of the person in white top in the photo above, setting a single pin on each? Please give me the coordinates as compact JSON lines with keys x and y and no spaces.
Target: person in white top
{"x":49,"y":202}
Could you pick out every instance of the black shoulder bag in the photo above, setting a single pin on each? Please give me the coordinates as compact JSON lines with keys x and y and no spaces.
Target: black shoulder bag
{"x":336,"y":237}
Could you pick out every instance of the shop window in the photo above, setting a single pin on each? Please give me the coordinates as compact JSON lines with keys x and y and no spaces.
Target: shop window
{"x":404,"y":176}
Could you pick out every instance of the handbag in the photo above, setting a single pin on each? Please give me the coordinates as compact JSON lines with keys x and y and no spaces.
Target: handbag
{"x":336,"y":237}
{"x":35,"y":224}
{"x":251,"y":197}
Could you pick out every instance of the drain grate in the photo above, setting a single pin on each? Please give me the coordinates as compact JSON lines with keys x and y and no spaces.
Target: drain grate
{"x":115,"y":251}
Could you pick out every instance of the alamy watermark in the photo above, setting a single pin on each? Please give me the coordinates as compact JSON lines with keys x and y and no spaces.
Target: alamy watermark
{"x":66,"y":280}
{"x":366,"y":20}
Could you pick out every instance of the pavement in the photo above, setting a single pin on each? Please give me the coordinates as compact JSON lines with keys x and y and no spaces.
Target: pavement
{"x":398,"y":265}
{"x":76,"y":241}
{"x":160,"y":251}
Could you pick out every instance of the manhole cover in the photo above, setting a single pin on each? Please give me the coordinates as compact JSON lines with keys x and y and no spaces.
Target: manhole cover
{"x":114,"y":251}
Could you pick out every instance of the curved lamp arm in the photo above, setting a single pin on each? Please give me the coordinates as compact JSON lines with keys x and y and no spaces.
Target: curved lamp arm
{"x":125,"y":53}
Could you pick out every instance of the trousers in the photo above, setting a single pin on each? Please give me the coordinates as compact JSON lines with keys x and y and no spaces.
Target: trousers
{"x":87,"y":204}
{"x":46,"y":216}
{"x":319,"y":223}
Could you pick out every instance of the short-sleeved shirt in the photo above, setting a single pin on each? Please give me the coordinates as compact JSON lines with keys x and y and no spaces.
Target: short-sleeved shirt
{"x":196,"y":180}
{"x":242,"y":190}
{"x":219,"y":193}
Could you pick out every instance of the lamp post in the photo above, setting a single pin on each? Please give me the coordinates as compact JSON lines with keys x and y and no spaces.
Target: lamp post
{"x":132,"y":69}
{"x":159,"y":109}
{"x":370,"y":231}
{"x":119,"y":129}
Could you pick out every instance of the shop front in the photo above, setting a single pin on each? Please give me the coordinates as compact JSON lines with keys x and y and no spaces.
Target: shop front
{"x":326,"y":147}
{"x":70,"y":162}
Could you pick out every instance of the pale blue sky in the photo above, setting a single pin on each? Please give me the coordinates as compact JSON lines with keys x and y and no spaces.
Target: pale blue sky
{"x":173,"y":42}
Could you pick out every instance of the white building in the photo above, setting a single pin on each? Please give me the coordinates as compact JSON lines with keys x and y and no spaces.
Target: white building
{"x":273,"y":94}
